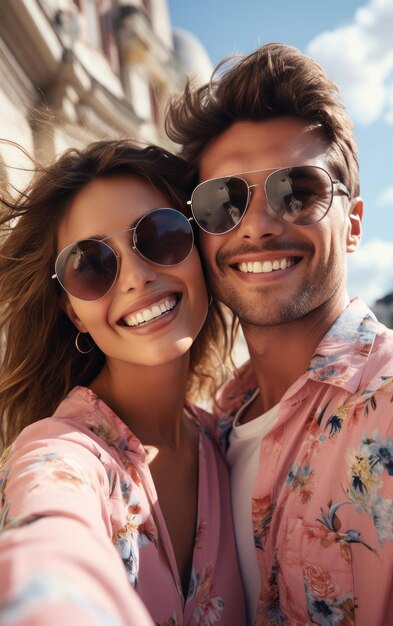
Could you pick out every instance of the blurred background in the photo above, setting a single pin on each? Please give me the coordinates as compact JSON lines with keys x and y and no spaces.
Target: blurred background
{"x":74,"y":71}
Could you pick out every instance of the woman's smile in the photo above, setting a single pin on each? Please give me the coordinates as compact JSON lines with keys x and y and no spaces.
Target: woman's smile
{"x":156,"y":311}
{"x":152,"y":313}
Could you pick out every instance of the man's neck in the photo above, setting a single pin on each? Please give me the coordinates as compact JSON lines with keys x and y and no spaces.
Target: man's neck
{"x":280,"y":354}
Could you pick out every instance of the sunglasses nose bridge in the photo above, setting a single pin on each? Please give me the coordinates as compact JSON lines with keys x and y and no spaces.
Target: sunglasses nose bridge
{"x":133,"y":269}
{"x":131,"y":245}
{"x":250,"y":193}
{"x":253,"y":186}
{"x":263,"y":203}
{"x":120,"y":232}
{"x":132,"y":241}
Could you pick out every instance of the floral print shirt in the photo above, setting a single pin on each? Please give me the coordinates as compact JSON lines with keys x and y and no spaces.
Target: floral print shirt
{"x":81,"y":528}
{"x":322,"y":505}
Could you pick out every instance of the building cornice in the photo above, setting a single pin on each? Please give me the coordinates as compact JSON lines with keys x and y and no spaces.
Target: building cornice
{"x":57,"y":78}
{"x":32,"y":40}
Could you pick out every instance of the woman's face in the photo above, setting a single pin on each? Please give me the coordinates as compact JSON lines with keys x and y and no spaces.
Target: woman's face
{"x":153,"y":313}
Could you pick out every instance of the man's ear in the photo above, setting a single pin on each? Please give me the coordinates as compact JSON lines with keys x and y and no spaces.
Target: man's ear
{"x":67,"y":307}
{"x":355,"y":217}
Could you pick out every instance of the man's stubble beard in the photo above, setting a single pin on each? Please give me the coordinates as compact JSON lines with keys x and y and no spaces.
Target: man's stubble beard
{"x":310,"y":295}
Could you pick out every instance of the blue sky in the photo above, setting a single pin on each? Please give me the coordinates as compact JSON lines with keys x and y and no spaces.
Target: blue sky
{"x":353,"y":41}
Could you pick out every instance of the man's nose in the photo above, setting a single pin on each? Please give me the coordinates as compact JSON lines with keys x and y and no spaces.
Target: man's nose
{"x":260,"y":220}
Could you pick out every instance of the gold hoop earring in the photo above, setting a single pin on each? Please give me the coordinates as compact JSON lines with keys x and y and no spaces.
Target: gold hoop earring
{"x":78,"y":347}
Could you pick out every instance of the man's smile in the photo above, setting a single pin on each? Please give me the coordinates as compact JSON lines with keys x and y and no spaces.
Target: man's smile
{"x":265,"y":267}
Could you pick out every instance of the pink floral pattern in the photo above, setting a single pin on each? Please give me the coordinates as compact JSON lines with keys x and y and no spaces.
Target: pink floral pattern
{"x":208,"y":606}
{"x":319,"y":581}
{"x":323,"y":528}
{"x":85,"y":477}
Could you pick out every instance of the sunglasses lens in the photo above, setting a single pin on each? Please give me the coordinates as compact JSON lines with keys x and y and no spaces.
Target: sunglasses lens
{"x":219,"y":204}
{"x":300,"y":195}
{"x":164,"y":237}
{"x":87,"y":269}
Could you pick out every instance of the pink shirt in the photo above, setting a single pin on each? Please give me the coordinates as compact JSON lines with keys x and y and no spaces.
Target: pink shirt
{"x":81,"y":528}
{"x":322,"y":503}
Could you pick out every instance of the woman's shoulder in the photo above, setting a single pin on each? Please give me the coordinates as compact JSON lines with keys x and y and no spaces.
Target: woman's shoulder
{"x":81,"y":424}
{"x":71,"y":415}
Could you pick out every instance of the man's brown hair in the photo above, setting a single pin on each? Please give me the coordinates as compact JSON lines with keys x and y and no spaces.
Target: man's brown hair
{"x":273,"y":81}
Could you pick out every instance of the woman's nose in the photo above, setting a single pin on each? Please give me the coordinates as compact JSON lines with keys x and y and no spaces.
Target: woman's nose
{"x":135,"y":271}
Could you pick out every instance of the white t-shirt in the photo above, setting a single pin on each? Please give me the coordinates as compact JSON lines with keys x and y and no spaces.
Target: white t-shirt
{"x":243,"y":458}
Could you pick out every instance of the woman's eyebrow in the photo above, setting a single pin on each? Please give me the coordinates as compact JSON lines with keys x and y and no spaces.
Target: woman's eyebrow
{"x":101,"y":237}
{"x":87,"y":237}
{"x":118,"y":232}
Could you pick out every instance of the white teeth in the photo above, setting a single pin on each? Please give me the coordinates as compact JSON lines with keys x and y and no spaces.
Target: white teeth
{"x":256,"y":267}
{"x":147,"y":315}
{"x":155,"y":310}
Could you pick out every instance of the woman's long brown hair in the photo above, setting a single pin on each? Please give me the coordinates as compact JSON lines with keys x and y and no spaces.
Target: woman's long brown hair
{"x":40,"y":363}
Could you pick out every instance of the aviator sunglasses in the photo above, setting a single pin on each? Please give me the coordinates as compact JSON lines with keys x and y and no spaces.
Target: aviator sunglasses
{"x":301,"y":195}
{"x":87,"y":269}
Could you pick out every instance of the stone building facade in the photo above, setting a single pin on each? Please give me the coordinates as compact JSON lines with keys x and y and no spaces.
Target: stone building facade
{"x":74,"y":71}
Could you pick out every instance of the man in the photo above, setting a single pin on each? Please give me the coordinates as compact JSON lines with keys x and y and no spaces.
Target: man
{"x":311,"y":449}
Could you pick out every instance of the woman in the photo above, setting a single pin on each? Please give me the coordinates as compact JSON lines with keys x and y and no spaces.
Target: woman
{"x":105,"y":316}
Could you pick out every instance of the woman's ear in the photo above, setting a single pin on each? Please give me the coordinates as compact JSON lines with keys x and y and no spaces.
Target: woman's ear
{"x":67,"y":307}
{"x":354,"y":234}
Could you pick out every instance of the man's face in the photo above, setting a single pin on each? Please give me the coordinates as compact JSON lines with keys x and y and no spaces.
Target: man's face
{"x":266,"y":270}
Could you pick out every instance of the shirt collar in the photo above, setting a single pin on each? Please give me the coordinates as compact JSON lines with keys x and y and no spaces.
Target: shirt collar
{"x":342,"y":354}
{"x":99,"y":418}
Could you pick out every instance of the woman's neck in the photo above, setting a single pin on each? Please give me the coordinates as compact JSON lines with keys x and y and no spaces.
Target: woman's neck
{"x":149,"y":399}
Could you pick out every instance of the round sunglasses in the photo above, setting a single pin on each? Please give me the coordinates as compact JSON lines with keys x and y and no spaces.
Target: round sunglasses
{"x":301,"y":195}
{"x":87,"y":269}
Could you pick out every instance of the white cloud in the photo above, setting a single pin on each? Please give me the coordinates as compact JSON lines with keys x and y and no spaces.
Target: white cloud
{"x":359,"y":57}
{"x":389,"y":114}
{"x":385,"y":198}
{"x":370,"y":271}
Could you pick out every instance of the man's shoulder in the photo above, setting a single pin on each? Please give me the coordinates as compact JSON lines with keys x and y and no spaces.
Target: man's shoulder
{"x":379,"y":366}
{"x":230,"y":398}
{"x":384,"y":335}
{"x":236,"y":391}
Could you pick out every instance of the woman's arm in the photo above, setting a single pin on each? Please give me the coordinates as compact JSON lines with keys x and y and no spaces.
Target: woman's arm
{"x":57,"y":560}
